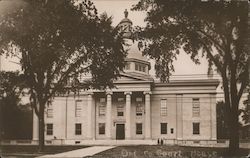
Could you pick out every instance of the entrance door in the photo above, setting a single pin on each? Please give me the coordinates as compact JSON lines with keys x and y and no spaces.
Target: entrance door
{"x":120,"y":131}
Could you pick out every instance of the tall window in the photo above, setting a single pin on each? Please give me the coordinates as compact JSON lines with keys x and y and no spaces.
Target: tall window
{"x":49,"y":129}
{"x":78,"y":128}
{"x":196,"y":128}
{"x":102,"y":109}
{"x":139,"y":109}
{"x":120,"y":110}
{"x":164,"y":128}
{"x":138,"y":128}
{"x":78,"y":108}
{"x":164,"y":107}
{"x":196,"y":107}
{"x":50,"y":111}
{"x":101,"y":128}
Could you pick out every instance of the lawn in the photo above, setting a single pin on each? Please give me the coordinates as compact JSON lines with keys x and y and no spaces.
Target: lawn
{"x":30,"y":151}
{"x":157,"y":151}
{"x":136,"y":151}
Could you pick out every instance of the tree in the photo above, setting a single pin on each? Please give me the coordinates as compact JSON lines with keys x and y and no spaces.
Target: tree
{"x":57,"y":41}
{"x":222,"y":122}
{"x":246,"y":112}
{"x":216,"y":29}
{"x":16,"y":117}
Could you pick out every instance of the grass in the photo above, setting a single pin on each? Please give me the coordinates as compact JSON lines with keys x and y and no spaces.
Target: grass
{"x":136,"y":151}
{"x":157,"y":151}
{"x":29,"y":151}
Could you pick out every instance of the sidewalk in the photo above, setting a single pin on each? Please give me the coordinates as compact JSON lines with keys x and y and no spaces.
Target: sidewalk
{"x":79,"y":153}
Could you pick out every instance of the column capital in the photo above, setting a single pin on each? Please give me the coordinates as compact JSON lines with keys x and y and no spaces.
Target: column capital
{"x":127,"y":93}
{"x":147,"y":92}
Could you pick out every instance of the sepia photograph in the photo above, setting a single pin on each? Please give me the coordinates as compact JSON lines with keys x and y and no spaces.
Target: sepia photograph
{"x":124,"y":79}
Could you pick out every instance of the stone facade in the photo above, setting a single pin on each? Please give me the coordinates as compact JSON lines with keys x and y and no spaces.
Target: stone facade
{"x":138,"y":102}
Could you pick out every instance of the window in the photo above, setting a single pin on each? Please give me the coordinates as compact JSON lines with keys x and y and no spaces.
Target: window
{"x":120,"y":110}
{"x":102,"y":100}
{"x":144,"y":69}
{"x":120,"y":113}
{"x":163,"y":107}
{"x":196,"y":128}
{"x":139,"y":128}
{"x":78,"y":108}
{"x":50,"y":111}
{"x":137,"y":67}
{"x":102,"y":109}
{"x":78,"y":129}
{"x":49,"y":129}
{"x":140,"y":67}
{"x":196,"y":107}
{"x":164,"y":128}
{"x":139,"y":110}
{"x":139,"y":99}
{"x":101,"y":128}
{"x":172,"y":130}
{"x":120,"y":99}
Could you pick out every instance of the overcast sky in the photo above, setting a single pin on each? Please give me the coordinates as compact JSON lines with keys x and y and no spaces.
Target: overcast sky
{"x":115,"y":8}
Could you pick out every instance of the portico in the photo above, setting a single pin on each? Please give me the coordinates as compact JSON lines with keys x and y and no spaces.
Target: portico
{"x":123,"y":110}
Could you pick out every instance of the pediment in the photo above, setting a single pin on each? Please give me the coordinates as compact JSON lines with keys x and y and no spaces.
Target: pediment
{"x":127,"y":77}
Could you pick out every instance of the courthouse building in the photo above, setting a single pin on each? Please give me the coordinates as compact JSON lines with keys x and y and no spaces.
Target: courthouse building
{"x":139,"y":108}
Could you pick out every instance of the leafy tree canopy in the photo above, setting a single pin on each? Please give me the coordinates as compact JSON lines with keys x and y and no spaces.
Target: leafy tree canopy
{"x":61,"y":39}
{"x":217,"y":29}
{"x":57,"y":41}
{"x":16,"y":117}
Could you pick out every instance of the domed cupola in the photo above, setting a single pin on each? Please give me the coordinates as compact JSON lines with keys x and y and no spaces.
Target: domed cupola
{"x":125,"y":26}
{"x":136,"y":62}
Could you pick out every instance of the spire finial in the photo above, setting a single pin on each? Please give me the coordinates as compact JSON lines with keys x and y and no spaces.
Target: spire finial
{"x":126,"y":13}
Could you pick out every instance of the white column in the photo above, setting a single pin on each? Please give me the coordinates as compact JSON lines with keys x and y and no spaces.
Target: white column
{"x":179,"y":117}
{"x":213,"y":116}
{"x":35,"y":126}
{"x":108,"y":115}
{"x":89,"y":116}
{"x":128,"y":115}
{"x":147,"y":115}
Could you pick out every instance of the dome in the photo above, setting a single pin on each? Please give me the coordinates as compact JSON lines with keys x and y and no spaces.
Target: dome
{"x":126,"y":19}
{"x":135,"y":53}
{"x":135,"y":61}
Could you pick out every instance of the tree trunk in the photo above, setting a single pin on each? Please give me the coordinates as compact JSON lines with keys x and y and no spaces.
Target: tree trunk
{"x":234,"y":121}
{"x":232,"y":115}
{"x":41,"y":128}
{"x":234,"y":133}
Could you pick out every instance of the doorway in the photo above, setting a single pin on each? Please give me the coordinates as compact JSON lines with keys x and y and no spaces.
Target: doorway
{"x":120,"y":131}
